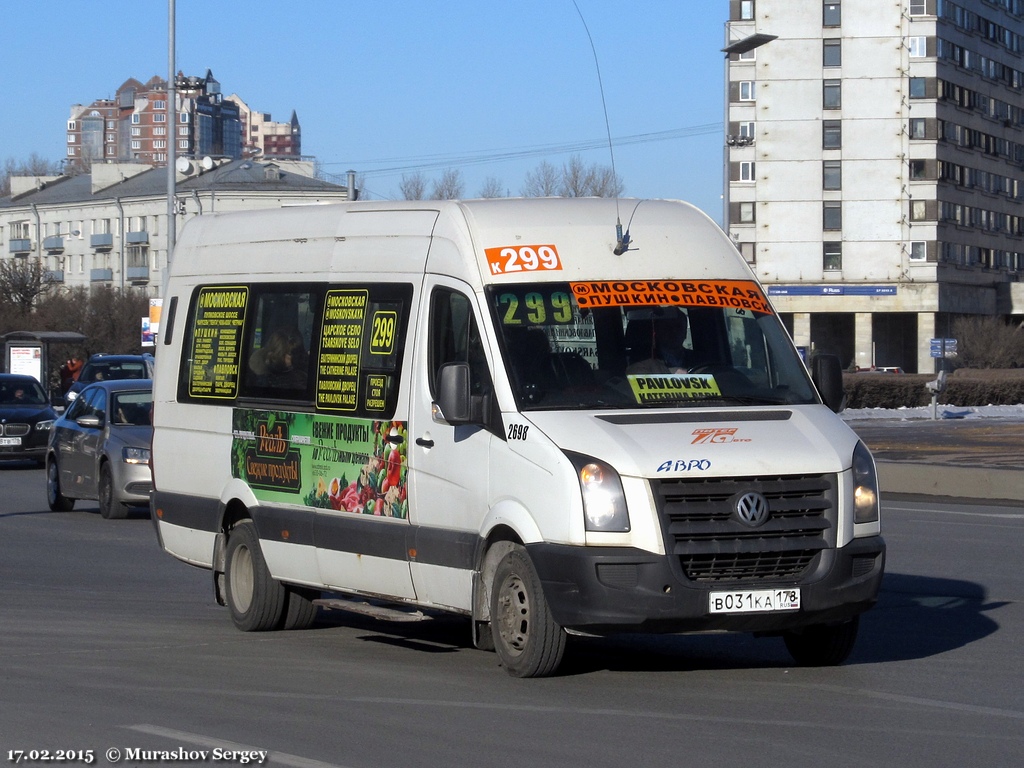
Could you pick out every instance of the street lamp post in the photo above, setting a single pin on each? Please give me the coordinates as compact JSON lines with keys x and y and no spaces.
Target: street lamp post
{"x":743,"y":45}
{"x":172,"y":141}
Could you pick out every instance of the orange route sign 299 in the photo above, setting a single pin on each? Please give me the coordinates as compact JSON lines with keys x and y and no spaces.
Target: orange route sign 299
{"x":734,"y":294}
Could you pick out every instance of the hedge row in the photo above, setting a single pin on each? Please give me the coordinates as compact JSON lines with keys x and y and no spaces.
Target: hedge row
{"x":963,"y":389}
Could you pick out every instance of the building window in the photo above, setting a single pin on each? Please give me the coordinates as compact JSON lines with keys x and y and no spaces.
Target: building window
{"x":136,"y":118}
{"x":831,"y":174}
{"x":919,"y":250}
{"x":832,"y":216}
{"x":136,"y":131}
{"x":747,"y":130}
{"x":917,"y":87}
{"x":183,"y":117}
{"x":919,"y":210}
{"x":917,"y":128}
{"x":831,"y":134}
{"x":917,"y":169}
{"x":747,"y":90}
{"x":71,"y":138}
{"x":747,"y":170}
{"x":832,"y":255}
{"x":136,"y":145}
{"x":159,"y":118}
{"x":159,"y":104}
{"x":746,"y":213}
{"x":748,"y":251}
{"x":746,"y":10}
{"x":831,"y":15}
{"x":182,"y":143}
{"x":111,"y":150}
{"x":750,"y":55}
{"x":917,"y":7}
{"x":159,"y":131}
{"x":831,"y":94}
{"x":918,"y":47}
{"x":832,"y":52}
{"x":71,"y":125}
{"x":159,"y":144}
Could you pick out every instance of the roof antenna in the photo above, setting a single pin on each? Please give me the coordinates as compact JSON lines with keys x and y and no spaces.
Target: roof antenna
{"x":622,"y":239}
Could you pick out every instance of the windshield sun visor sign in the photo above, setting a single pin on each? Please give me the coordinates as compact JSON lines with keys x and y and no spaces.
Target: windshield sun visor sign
{"x":516,"y":259}
{"x":735,"y":294}
{"x":653,"y":388}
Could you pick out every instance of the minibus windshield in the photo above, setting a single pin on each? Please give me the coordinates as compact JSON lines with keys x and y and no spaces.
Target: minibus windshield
{"x":645,"y":344}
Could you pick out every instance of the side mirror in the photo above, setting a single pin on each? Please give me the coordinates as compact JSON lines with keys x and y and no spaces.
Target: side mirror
{"x":827,"y":374}
{"x":453,"y":397}
{"x":90,"y":422}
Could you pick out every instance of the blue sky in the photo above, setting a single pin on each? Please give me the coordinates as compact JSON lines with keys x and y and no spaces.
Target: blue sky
{"x":386,"y":87}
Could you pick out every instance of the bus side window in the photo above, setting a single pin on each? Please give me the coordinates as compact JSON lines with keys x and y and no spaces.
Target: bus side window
{"x":455,"y":338}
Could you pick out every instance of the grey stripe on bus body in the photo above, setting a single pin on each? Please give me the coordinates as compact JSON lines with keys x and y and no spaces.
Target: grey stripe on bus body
{"x":364,"y":535}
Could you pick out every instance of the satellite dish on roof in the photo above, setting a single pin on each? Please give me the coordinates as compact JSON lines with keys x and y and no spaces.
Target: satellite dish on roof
{"x":182,"y":165}
{"x":207,"y":162}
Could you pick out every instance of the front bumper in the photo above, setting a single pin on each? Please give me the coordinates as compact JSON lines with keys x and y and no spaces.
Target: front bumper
{"x":601,"y":590}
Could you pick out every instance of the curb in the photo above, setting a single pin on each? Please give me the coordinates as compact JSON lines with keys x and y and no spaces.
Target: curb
{"x":945,"y":480}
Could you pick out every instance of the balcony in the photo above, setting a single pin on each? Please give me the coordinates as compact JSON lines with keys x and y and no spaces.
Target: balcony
{"x":54,"y":276}
{"x":53,"y":244}
{"x":21,"y":245}
{"x":138,"y":275}
{"x":137,"y":238}
{"x":101,"y":275}
{"x":101,"y":242}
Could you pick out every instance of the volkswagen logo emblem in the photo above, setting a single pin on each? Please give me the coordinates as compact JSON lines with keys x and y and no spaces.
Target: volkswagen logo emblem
{"x":752,"y":509}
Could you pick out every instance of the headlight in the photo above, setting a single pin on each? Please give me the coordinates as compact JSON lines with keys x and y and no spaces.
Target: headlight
{"x":135,"y":455}
{"x":604,"y":503}
{"x":44,"y":426}
{"x":865,"y":486}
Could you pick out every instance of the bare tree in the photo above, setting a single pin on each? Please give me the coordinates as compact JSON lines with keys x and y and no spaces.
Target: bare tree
{"x":543,"y":181}
{"x":988,"y":342}
{"x":413,"y":186}
{"x":449,"y":186}
{"x":23,"y":282}
{"x":492,"y":187}
{"x":579,"y":180}
{"x":36,"y":165}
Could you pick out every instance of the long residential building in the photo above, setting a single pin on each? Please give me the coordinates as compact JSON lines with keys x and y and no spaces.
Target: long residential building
{"x":109,"y":226}
{"x":874,"y":157}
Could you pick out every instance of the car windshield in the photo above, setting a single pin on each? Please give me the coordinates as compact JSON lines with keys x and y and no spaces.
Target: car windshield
{"x":131,"y":408}
{"x":646,"y":344}
{"x":22,"y":393}
{"x":106,"y":370}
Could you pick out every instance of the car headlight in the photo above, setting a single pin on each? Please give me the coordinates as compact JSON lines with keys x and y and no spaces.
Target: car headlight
{"x":135,"y":455}
{"x":604,"y":503}
{"x":44,"y":426}
{"x":865,"y":486}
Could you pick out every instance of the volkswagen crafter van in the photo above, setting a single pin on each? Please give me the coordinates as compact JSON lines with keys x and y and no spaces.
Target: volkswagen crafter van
{"x":508,"y":410}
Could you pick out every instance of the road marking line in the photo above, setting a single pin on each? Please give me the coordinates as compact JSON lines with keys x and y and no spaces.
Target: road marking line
{"x":277,"y":758}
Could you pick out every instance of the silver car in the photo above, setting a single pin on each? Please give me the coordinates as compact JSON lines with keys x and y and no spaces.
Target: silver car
{"x":99,"y":448}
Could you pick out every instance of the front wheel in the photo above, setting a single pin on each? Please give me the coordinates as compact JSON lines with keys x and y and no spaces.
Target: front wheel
{"x":56,"y":500}
{"x":110,"y":508}
{"x":529,"y":642}
{"x":822,"y":645}
{"x":255,"y":598}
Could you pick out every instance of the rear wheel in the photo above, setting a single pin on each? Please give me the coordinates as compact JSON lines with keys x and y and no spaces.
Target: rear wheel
{"x":109,"y":507}
{"x":528,"y":640}
{"x":300,"y":613}
{"x":57,"y":501}
{"x":822,"y":645}
{"x":256,"y":600}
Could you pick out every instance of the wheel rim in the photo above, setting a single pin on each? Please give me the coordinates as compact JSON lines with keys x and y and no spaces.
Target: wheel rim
{"x":514,"y":614}
{"x":241,"y":575}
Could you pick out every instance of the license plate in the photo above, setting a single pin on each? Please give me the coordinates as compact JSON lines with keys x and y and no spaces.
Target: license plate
{"x":754,"y":601}
{"x":10,"y":441}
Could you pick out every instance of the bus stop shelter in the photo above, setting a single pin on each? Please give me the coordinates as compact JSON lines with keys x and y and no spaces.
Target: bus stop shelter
{"x":28,"y":352}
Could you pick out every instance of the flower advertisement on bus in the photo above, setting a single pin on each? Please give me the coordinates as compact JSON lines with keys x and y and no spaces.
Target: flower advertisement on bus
{"x":336,"y":463}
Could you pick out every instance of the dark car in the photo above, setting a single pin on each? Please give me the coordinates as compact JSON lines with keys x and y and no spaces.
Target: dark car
{"x":99,"y":448}
{"x":108,"y":367}
{"x":25,"y":418}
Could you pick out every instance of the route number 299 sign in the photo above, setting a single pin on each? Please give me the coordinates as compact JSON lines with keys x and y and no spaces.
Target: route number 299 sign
{"x":510,"y":259}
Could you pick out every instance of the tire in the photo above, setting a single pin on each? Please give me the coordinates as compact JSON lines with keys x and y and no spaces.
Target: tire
{"x":256,"y":600}
{"x":822,"y":645}
{"x":527,"y":639}
{"x":56,"y":500}
{"x":109,"y":509}
{"x":300,"y":613}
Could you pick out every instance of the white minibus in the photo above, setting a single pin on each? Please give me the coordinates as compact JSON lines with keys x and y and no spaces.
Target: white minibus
{"x":513,"y":410}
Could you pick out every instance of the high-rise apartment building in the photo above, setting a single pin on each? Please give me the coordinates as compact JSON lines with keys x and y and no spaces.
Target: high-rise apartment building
{"x":875,"y":168}
{"x":136,"y":126}
{"x":263,"y":137}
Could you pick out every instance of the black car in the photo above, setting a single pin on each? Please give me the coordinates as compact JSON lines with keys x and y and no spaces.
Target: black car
{"x":26,"y":418}
{"x":106,"y":367}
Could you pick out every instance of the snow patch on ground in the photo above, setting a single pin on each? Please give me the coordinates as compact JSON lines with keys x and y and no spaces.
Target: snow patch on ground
{"x":1002,"y":412}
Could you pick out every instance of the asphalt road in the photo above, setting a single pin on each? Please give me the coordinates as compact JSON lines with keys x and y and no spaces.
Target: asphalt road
{"x":108,"y":643}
